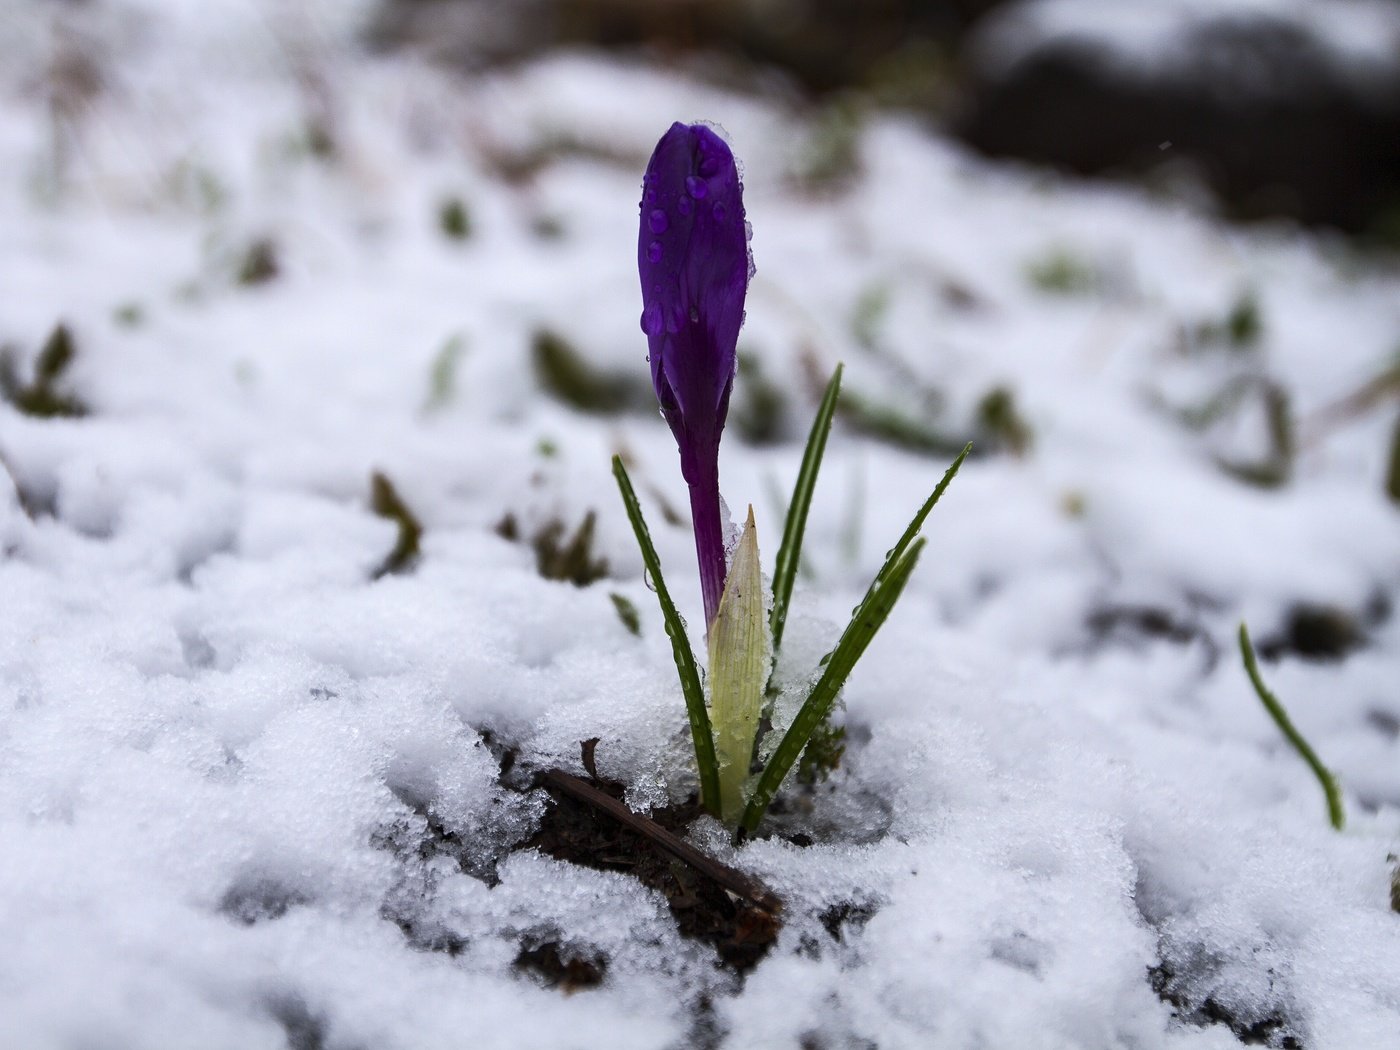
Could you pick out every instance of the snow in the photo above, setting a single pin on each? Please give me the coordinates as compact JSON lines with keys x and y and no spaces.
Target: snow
{"x":220,"y":740}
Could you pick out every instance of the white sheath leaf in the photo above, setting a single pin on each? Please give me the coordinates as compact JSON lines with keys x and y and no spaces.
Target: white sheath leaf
{"x":739,"y":659}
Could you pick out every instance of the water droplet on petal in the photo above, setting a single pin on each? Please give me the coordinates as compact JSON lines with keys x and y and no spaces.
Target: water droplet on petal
{"x":657,"y":221}
{"x":720,"y":211}
{"x":683,"y":205}
{"x":654,"y":252}
{"x":675,"y":319}
{"x":694,"y":315}
{"x":651,"y":319}
{"x":696,"y":187}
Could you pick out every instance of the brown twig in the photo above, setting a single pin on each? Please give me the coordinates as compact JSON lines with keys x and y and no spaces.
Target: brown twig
{"x":733,"y":880}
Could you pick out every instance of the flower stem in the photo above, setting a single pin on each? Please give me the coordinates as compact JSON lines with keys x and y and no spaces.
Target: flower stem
{"x":709,"y":542}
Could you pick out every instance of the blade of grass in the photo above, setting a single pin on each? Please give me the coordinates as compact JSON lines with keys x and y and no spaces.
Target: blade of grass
{"x":680,"y":648}
{"x":874,"y":608}
{"x":780,"y":507}
{"x":868,"y":618}
{"x":897,"y":551}
{"x":1330,"y":787}
{"x":790,"y":551}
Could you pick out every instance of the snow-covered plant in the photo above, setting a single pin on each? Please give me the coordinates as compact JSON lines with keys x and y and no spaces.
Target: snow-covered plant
{"x":695,"y":265}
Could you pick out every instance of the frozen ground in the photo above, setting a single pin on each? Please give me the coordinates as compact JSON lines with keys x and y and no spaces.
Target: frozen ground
{"x":221,"y":740}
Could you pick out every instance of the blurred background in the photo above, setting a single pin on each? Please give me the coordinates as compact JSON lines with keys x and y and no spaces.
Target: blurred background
{"x":1279,"y":108}
{"x":1068,"y":230}
{"x":1272,"y":108}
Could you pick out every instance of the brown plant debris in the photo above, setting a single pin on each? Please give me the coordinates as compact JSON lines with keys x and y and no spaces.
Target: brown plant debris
{"x":557,"y":558}
{"x":40,"y":397}
{"x":711,"y":902}
{"x":385,"y":501}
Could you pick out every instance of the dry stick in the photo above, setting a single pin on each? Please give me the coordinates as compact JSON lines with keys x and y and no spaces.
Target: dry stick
{"x":736,"y":882}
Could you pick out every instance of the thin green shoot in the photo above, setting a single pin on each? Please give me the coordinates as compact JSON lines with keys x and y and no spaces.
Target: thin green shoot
{"x":686,"y":668}
{"x":912,"y":532}
{"x":869,"y":616}
{"x":1330,"y":788}
{"x":795,"y":527}
{"x":778,"y":503}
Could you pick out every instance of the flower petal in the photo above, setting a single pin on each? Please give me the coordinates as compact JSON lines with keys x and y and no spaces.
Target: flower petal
{"x":693,"y":258}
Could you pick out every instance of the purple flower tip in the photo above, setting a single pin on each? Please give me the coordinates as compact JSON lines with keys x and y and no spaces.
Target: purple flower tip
{"x":694,"y":261}
{"x":693,"y":255}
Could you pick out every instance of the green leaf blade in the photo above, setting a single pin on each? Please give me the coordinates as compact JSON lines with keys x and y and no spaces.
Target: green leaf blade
{"x":911,"y":533}
{"x":869,"y":617}
{"x":686,"y":668}
{"x":795,"y":526}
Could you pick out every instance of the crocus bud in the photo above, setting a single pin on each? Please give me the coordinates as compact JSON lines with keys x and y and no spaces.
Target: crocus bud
{"x":695,"y":268}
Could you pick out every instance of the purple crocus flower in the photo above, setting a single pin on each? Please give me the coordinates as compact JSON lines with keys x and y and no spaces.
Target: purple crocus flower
{"x":695,"y":267}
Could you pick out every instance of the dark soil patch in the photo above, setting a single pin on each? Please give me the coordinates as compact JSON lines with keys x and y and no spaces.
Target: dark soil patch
{"x":1273,"y":1030}
{"x":414,"y":844}
{"x":848,"y":917}
{"x":428,"y":838}
{"x":1134,"y":626}
{"x":304,"y":1028}
{"x":260,"y":899}
{"x":562,"y":969}
{"x":573,"y":831}
{"x":1324,"y":632}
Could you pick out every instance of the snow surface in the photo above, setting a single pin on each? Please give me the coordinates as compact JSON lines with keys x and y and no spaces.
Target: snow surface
{"x":214,"y":724}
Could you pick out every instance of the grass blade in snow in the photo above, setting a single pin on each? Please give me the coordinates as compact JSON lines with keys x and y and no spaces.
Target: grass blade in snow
{"x":897,"y":551}
{"x":869,"y":616}
{"x":790,"y":551}
{"x":680,"y":648}
{"x":879,"y":600}
{"x":1330,"y":787}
